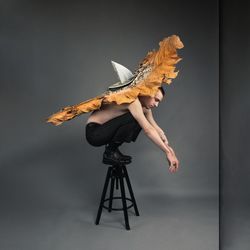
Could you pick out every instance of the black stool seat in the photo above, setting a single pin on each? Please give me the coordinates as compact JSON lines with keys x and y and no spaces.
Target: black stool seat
{"x":116,"y":174}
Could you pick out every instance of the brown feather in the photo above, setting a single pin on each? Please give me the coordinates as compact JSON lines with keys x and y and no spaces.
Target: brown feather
{"x":157,"y":68}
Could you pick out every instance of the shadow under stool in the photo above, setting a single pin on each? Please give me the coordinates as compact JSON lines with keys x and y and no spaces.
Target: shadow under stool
{"x":115,"y":176}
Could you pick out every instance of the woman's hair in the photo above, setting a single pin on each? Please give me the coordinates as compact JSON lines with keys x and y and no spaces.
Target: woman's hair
{"x":162,"y":90}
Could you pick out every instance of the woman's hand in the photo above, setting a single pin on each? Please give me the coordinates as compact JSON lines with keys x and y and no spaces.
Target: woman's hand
{"x":172,"y":159}
{"x":173,"y":162}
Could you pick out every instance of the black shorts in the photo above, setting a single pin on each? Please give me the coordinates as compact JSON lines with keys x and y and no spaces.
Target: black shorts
{"x":123,"y":128}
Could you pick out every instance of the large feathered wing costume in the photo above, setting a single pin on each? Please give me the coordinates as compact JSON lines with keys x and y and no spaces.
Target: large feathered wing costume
{"x":157,"y":68}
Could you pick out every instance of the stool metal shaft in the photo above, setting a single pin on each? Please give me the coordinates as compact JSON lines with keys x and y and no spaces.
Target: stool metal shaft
{"x":103,"y":196}
{"x":111,"y":192}
{"x":130,"y":191}
{"x":124,"y":204}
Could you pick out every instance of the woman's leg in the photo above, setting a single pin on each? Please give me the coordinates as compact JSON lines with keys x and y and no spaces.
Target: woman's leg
{"x":126,"y":133}
{"x":113,"y":133}
{"x":119,"y":129}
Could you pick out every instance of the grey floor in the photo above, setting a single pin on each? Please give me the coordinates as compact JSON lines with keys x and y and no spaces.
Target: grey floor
{"x":164,"y":223}
{"x":40,"y":212}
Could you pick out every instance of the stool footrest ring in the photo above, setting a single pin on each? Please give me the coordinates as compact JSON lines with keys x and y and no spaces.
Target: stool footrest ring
{"x":118,"y":198}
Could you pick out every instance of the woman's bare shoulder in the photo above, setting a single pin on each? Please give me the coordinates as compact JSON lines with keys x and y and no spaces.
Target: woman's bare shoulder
{"x":137,"y":104}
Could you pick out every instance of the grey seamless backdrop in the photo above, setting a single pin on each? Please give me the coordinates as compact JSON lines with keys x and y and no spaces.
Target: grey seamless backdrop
{"x":57,"y":54}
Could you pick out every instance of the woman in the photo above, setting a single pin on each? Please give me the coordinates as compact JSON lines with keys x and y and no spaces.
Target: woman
{"x":114,"y":124}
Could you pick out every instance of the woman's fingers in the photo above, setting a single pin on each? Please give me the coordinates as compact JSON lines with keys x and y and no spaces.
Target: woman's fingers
{"x":173,"y":163}
{"x":173,"y":166}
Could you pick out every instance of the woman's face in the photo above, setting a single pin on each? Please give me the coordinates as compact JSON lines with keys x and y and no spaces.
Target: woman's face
{"x":152,"y":102}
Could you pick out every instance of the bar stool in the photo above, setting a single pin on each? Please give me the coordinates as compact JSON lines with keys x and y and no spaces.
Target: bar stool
{"x":116,"y":174}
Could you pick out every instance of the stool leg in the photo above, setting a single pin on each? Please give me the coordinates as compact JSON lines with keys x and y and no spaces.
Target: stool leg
{"x":103,"y":196}
{"x":130,"y":190}
{"x":124,"y":204}
{"x":111,"y":191}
